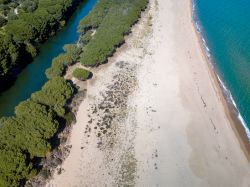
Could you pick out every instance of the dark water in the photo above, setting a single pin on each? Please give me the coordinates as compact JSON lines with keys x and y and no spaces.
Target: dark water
{"x":33,"y":76}
{"x":225,"y":25}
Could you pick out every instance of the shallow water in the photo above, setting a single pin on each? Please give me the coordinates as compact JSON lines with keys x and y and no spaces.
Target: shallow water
{"x":33,"y":77}
{"x":225,"y":26}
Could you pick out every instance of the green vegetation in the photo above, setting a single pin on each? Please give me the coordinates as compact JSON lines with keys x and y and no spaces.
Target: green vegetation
{"x":23,"y":25}
{"x":9,"y":53}
{"x":38,"y":24}
{"x":81,"y":74}
{"x":54,"y":94}
{"x":3,"y":21}
{"x":57,"y":68}
{"x":7,"y":7}
{"x":85,"y":38}
{"x":112,"y":19}
{"x":61,"y":62}
{"x":26,"y":136}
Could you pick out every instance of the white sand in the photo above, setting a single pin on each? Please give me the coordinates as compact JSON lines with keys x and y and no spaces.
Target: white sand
{"x":169,"y":125}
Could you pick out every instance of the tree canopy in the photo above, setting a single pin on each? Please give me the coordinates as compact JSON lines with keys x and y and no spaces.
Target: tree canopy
{"x":81,"y":74}
{"x":62,"y":61}
{"x":112,"y":19}
{"x":35,"y":22}
{"x":27,"y":135}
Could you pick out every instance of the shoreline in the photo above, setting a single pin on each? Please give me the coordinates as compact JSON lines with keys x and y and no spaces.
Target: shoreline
{"x":154,"y":88}
{"x":231,"y":110}
{"x":207,"y":152}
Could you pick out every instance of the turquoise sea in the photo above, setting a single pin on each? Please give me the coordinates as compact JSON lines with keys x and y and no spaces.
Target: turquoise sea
{"x":225,"y":27}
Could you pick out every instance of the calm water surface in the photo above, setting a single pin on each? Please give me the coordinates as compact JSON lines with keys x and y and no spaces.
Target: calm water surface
{"x":33,"y":76}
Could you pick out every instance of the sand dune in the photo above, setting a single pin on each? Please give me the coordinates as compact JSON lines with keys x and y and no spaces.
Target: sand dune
{"x":154,"y":116}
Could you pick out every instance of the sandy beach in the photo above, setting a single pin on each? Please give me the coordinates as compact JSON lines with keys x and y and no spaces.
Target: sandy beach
{"x":154,"y":114}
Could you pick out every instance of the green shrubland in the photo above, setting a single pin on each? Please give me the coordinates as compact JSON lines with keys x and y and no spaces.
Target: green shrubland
{"x":81,"y":74}
{"x":62,"y":61}
{"x":112,"y":19}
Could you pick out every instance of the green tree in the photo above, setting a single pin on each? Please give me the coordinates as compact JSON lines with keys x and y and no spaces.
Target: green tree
{"x":14,"y":166}
{"x":3,"y":21}
{"x":72,"y":51}
{"x":20,"y":30}
{"x":9,"y":53}
{"x":40,"y":117}
{"x":81,"y":74}
{"x":18,"y":133}
{"x":54,"y":94}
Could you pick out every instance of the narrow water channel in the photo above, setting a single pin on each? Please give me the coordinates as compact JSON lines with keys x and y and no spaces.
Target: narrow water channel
{"x":33,"y":77}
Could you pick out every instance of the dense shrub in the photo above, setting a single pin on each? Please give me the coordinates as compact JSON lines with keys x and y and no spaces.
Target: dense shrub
{"x":54,"y":94}
{"x":38,"y":24}
{"x":81,"y":74}
{"x":9,"y":53}
{"x":69,"y":118}
{"x":3,"y":21}
{"x":60,"y":63}
{"x":112,"y":19}
{"x":85,"y":38}
{"x":72,"y":52}
{"x":29,"y":6}
{"x":57,"y":68}
{"x":14,"y":167}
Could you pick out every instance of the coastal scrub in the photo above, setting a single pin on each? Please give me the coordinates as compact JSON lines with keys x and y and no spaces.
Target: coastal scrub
{"x":81,"y":74}
{"x":112,"y":20}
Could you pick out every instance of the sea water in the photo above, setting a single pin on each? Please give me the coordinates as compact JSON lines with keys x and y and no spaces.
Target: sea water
{"x":225,"y":28}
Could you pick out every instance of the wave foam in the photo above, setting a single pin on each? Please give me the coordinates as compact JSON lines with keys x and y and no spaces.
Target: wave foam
{"x":226,"y":91}
{"x":230,"y":99}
